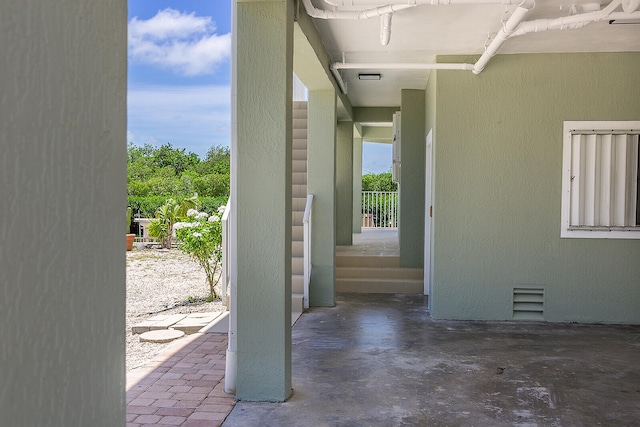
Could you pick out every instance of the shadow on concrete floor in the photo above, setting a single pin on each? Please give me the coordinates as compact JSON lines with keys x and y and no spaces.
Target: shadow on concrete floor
{"x":379,"y":360}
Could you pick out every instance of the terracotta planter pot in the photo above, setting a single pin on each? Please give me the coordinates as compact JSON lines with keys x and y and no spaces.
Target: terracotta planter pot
{"x":130,"y":238}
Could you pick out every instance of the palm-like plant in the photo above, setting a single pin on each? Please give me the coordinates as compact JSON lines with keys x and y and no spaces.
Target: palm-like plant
{"x":167,"y":215}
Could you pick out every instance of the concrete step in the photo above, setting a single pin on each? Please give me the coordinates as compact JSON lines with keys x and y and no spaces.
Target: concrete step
{"x":297,"y":248}
{"x":297,"y":105}
{"x":368,"y":261}
{"x":296,"y":218}
{"x":297,"y":233}
{"x":300,"y":113}
{"x":297,"y":265}
{"x":297,"y":284}
{"x":299,"y":190}
{"x":298,"y":204}
{"x":299,"y":178}
{"x":380,"y":286}
{"x":299,"y":154}
{"x":300,"y":122}
{"x":299,"y":133}
{"x":299,"y":166}
{"x":379,"y":273}
{"x":300,"y":144}
{"x":297,"y":303}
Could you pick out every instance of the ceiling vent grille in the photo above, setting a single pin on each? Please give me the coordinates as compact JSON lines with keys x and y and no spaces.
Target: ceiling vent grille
{"x":528,"y":304}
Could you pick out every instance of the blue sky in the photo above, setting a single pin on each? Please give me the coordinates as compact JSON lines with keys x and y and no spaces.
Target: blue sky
{"x":179,"y":73}
{"x":179,"y":77}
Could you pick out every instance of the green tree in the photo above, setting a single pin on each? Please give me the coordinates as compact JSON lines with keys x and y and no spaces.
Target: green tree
{"x":378,"y":182}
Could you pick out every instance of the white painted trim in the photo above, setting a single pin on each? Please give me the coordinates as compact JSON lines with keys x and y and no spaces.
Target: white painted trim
{"x":427,"y":215}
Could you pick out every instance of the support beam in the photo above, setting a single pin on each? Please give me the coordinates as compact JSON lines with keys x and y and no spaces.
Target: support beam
{"x":344,"y":184}
{"x":411,"y":211}
{"x":261,"y":178}
{"x":321,"y":182}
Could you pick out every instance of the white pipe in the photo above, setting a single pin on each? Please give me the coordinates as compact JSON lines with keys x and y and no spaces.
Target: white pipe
{"x":341,"y":83}
{"x":630,"y":6}
{"x":571,"y":22}
{"x":337,"y":66}
{"x":504,"y":33}
{"x":350,"y":3}
{"x":385,"y":28}
{"x":314,"y":12}
{"x":391,"y":66}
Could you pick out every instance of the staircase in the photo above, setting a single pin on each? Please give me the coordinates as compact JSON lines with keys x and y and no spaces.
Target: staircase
{"x":377,"y":274}
{"x":299,"y":194}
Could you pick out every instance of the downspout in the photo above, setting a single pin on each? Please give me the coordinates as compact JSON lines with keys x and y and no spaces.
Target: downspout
{"x":385,"y":28}
{"x":504,"y":33}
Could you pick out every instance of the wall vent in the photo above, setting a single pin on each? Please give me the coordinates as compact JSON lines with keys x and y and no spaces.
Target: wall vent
{"x":528,"y":304}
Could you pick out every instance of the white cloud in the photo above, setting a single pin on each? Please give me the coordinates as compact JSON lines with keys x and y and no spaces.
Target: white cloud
{"x":184,"y":43}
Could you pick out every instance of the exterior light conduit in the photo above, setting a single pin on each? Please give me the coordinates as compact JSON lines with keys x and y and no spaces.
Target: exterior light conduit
{"x":505,"y":32}
{"x":337,"y":66}
{"x":350,"y":3}
{"x":314,"y":12}
{"x":573,"y":22}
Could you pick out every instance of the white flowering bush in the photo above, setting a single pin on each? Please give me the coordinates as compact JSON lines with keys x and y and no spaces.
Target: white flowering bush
{"x":202,"y":240}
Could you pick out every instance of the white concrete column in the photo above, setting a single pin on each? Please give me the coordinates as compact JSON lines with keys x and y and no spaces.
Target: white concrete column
{"x":63,"y":185}
{"x":344,"y":183}
{"x":357,"y":185}
{"x":261,"y":187}
{"x":321,"y":182}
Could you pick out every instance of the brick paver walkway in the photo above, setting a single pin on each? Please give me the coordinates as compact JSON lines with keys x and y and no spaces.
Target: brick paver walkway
{"x":183,"y":386}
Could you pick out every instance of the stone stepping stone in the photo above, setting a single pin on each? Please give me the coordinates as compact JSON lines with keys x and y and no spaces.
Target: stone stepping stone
{"x":193,"y":322}
{"x":161,"y":321}
{"x":161,"y":336}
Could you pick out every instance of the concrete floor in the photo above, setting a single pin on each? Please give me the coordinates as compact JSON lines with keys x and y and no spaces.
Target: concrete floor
{"x":379,"y":360}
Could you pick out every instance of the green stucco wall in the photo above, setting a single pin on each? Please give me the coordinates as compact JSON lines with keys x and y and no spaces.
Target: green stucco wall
{"x":63,"y":181}
{"x":411,"y":190}
{"x":498,"y":156}
{"x":321,"y":182}
{"x":357,"y":185}
{"x":261,"y":159}
{"x":344,"y":183}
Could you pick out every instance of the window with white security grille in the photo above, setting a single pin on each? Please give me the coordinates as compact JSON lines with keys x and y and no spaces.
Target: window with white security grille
{"x":600,"y":180}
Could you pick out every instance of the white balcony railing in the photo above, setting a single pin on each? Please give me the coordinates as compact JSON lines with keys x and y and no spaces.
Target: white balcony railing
{"x":379,"y":209}
{"x":306,"y":222}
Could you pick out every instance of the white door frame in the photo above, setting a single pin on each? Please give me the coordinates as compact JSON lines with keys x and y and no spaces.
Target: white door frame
{"x":427,"y":215}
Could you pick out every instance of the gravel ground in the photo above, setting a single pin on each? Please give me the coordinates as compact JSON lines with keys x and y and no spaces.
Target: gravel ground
{"x":161,"y":282}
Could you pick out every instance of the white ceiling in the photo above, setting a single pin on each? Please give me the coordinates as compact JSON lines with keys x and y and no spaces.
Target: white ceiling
{"x":419,"y":34}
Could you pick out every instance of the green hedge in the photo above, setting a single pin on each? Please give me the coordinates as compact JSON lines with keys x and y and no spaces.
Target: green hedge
{"x":146,"y":207}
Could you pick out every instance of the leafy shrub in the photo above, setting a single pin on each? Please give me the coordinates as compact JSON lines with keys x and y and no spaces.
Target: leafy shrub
{"x":202,"y":240}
